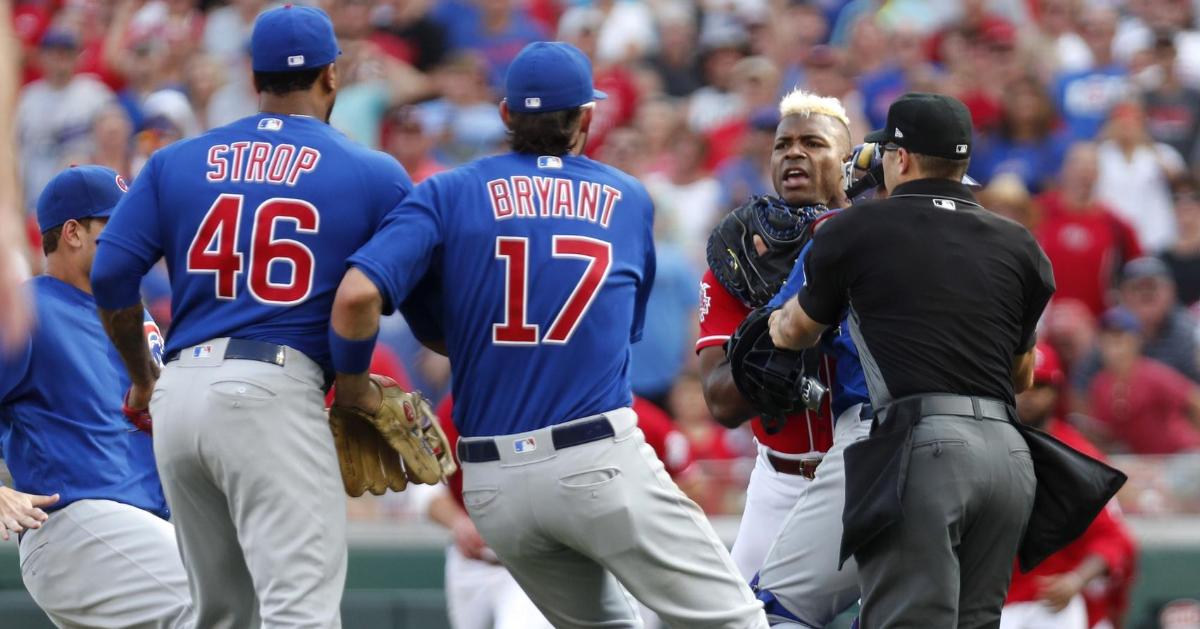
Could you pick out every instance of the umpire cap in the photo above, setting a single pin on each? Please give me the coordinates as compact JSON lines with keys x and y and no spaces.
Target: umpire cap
{"x":929,"y":124}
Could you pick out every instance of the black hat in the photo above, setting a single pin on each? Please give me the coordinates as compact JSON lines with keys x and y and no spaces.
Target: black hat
{"x":929,"y":124}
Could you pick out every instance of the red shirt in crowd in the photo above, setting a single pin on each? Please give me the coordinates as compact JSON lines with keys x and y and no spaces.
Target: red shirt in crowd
{"x":1086,"y":250}
{"x":1148,"y":410}
{"x":1108,"y":537}
{"x":720,"y":315}
{"x":669,"y":444}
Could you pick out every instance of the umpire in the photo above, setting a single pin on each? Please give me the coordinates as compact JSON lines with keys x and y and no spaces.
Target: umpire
{"x":943,"y":300}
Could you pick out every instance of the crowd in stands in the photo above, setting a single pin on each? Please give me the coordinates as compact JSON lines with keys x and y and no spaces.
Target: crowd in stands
{"x":1087,"y":114}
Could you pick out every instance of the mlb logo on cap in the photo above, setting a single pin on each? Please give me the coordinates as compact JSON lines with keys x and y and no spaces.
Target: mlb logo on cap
{"x":295,"y":61}
{"x":961,"y":149}
{"x":533,"y":103}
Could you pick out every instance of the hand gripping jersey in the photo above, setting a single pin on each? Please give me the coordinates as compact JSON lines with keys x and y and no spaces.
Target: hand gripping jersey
{"x":256,"y":220}
{"x":544,"y":265}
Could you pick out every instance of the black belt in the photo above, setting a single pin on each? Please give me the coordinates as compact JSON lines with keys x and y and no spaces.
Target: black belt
{"x":587,"y":431}
{"x":241,"y":349}
{"x":867,"y":413}
{"x":979,"y":408}
{"x":796,"y":467}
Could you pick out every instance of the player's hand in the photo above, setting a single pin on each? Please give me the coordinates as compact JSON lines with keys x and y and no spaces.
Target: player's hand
{"x":136,"y":408}
{"x":468,"y":540}
{"x":1056,"y":591}
{"x":357,"y":391}
{"x":20,"y":511}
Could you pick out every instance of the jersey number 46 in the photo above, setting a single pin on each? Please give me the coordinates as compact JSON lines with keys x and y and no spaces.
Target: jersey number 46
{"x":214,"y":249}
{"x":515,"y":330}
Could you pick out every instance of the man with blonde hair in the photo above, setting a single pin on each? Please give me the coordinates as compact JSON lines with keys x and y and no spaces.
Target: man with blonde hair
{"x":787,"y":490}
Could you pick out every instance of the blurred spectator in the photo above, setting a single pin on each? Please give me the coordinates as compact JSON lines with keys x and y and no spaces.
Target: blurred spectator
{"x":747,"y":173}
{"x":687,"y":200}
{"x":1007,"y":196}
{"x":659,"y":121}
{"x":1085,"y":241}
{"x":405,"y":138}
{"x":408,"y":33}
{"x":1084,"y":97}
{"x":111,"y":145}
{"x":1054,"y":593}
{"x":1183,"y":257}
{"x":722,"y":44}
{"x":675,"y":61}
{"x":827,"y":73}
{"x":794,"y":35}
{"x":236,"y":98}
{"x":626,"y":33}
{"x":1148,"y":19}
{"x":625,"y":150}
{"x":55,"y":113}
{"x":496,"y":29}
{"x":581,"y":27}
{"x":227,"y":28}
{"x":756,"y":84}
{"x":1026,"y":143}
{"x":372,"y":82}
{"x":993,"y":64}
{"x":657,"y":360}
{"x":465,"y":119}
{"x":1141,"y":405}
{"x":1056,"y":19}
{"x":203,"y":76}
{"x":906,"y":69}
{"x":1168,"y":331}
{"x":1172,"y":109}
{"x":1135,"y":174}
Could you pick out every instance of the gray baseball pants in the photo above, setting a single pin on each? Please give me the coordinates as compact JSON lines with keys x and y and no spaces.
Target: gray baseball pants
{"x":102,"y":564}
{"x":250,"y":471}
{"x":574,"y":525}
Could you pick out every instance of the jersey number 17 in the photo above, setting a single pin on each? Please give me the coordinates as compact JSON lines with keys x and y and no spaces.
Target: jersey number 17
{"x":515,"y":330}
{"x":214,"y":249}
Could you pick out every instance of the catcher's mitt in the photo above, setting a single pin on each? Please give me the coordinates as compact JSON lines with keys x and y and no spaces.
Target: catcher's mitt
{"x":752,"y":278}
{"x":773,"y":380}
{"x":402,"y":442}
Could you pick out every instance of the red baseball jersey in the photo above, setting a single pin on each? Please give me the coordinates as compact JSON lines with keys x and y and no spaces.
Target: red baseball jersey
{"x":669,"y":444}
{"x":1107,"y":537}
{"x":720,"y":315}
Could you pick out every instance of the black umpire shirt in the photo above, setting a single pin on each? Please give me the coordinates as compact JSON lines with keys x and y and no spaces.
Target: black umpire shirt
{"x":941,"y":293}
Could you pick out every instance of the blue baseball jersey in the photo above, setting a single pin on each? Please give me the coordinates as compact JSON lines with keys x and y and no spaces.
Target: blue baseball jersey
{"x":60,"y":408}
{"x":542,"y":268}
{"x":255,"y":220}
{"x":849,"y":382}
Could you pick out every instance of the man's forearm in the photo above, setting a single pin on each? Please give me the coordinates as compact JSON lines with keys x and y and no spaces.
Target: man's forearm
{"x":355,"y":320}
{"x":792,"y":328}
{"x":124,"y":328}
{"x":724,"y":401}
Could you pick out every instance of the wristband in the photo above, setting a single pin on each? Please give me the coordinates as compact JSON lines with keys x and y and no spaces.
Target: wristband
{"x":351,"y":356}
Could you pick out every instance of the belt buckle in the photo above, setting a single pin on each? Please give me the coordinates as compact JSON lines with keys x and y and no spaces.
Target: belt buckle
{"x":808,"y":468}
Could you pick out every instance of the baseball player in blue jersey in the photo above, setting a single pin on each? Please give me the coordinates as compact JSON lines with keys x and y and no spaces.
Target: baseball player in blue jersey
{"x":255,"y":221}
{"x":800,"y":583}
{"x":96,"y":548}
{"x":545,"y":259}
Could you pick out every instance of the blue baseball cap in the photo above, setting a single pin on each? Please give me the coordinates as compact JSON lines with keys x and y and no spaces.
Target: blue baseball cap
{"x":79,"y":192}
{"x":1120,"y":319}
{"x":549,"y":76}
{"x":292,"y":38}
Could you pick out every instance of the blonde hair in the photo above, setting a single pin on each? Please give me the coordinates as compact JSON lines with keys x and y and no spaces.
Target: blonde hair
{"x":802,"y":103}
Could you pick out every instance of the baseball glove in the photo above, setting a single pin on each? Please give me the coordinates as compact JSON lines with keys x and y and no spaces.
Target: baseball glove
{"x":402,"y":442}
{"x":773,"y":380}
{"x":753,"y":278}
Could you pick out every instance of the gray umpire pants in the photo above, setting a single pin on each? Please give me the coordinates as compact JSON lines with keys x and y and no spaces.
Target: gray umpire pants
{"x":948,"y":561}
